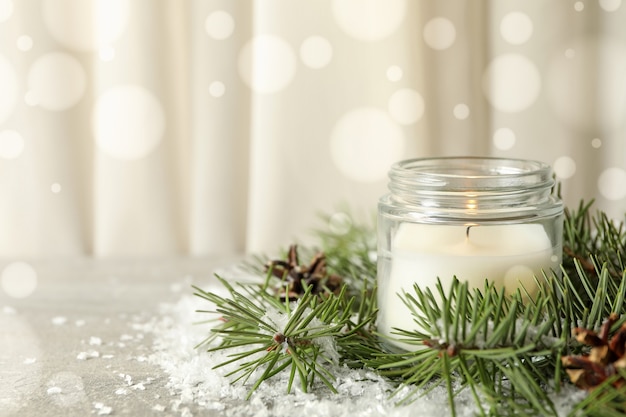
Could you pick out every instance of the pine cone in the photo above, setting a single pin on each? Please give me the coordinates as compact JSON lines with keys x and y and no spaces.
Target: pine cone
{"x":604,"y":360}
{"x":298,"y":277}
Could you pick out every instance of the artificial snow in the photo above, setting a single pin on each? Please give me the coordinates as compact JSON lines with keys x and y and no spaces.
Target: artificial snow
{"x":102,"y":410}
{"x":195,"y":384}
{"x":196,"y":387}
{"x":90,"y":354}
{"x":95,"y":341}
{"x":9,"y":310}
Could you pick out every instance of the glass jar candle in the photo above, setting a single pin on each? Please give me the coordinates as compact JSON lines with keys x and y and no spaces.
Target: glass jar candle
{"x":474,"y":218}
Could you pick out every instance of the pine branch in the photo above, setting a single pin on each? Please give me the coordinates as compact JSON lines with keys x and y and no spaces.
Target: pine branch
{"x":593,"y":240}
{"x":350,"y":251}
{"x":506,"y":350}
{"x":480,"y":338}
{"x":605,"y":401}
{"x":268,"y":336}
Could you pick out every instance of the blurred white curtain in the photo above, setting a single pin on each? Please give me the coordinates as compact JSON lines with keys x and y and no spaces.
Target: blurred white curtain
{"x":170,"y":127}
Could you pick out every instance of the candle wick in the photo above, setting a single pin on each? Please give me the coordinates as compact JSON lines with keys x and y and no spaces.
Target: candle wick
{"x":467,"y":232}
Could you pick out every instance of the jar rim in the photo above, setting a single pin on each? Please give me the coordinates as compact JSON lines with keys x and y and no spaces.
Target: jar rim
{"x":462,"y":173}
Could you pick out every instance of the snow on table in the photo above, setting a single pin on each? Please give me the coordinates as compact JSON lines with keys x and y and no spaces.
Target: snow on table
{"x":98,"y":337}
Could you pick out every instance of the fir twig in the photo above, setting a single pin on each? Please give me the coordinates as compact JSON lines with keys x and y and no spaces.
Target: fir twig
{"x":505,"y":349}
{"x":499,"y":344}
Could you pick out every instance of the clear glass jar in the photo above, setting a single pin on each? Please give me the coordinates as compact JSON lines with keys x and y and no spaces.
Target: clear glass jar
{"x":474,"y":218}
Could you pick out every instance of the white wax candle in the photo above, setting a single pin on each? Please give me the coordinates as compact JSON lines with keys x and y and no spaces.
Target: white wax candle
{"x":508,"y":255}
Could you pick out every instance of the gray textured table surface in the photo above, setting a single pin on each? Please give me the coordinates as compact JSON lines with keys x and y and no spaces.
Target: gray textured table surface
{"x":74,"y":347}
{"x":90,"y":338}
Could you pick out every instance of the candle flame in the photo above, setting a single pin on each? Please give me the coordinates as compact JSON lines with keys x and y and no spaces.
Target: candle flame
{"x":472,"y":204}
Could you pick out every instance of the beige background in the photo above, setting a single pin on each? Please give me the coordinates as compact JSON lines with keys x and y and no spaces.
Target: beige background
{"x":156,"y":127}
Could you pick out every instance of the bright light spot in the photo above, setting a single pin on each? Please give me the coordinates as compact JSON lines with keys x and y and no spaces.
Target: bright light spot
{"x":316,"y":52}
{"x":24,"y":43}
{"x":58,"y":81}
{"x":86,"y":25}
{"x":461,"y":111}
{"x":406,"y":106}
{"x":6,"y":10}
{"x":107,"y":54}
{"x":511,"y":83}
{"x":55,"y":188}
{"x":611,"y":184}
{"x":128,"y":122}
{"x":579,"y":6}
{"x":219,"y":25}
{"x":364,"y":143}
{"x":217,"y":89}
{"x":610,"y":5}
{"x":504,"y":138}
{"x":516,"y":28}
{"x":369,"y":20}
{"x":439,"y":33}
{"x":19,"y":279}
{"x":570,"y":53}
{"x":267,"y":64}
{"x":564,"y":167}
{"x":596,"y":142}
{"x":11,"y":144}
{"x":394,"y":73}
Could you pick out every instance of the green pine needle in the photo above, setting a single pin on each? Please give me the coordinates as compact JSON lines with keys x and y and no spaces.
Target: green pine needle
{"x":505,"y":349}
